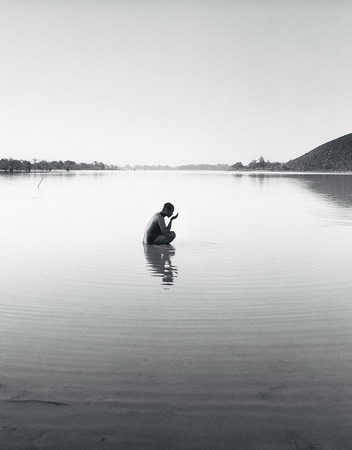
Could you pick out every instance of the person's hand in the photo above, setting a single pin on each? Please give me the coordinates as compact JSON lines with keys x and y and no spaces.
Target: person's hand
{"x":174,"y":217}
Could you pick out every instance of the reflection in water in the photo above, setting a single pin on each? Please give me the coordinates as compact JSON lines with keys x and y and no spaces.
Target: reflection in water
{"x":336,"y":188}
{"x":158,"y":259}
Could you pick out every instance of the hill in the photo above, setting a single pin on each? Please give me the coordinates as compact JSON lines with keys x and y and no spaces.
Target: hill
{"x":335,"y":155}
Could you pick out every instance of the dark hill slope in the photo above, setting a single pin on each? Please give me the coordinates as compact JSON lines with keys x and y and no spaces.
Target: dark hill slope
{"x":333,"y":155}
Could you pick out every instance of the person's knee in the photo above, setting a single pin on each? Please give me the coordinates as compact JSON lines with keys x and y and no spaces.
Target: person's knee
{"x":171,"y":236}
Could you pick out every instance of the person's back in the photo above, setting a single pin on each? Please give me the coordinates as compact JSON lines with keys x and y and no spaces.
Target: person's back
{"x":157,"y":232}
{"x":153,"y":229}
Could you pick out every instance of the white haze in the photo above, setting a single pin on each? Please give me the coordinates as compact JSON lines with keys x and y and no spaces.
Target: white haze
{"x":155,"y":82}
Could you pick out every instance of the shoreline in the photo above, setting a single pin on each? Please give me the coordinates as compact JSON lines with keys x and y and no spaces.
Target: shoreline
{"x":115,"y":424}
{"x":260,"y":171}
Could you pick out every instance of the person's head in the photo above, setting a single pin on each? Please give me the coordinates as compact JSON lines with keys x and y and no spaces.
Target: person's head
{"x":168,"y":209}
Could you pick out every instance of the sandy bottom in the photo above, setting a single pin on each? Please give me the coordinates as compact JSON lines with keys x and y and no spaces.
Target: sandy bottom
{"x":32,"y":424}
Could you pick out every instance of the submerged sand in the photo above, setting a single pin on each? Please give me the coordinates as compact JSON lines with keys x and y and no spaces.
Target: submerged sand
{"x":268,"y":424}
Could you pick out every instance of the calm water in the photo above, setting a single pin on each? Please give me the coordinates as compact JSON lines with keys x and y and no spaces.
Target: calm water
{"x":236,"y":336}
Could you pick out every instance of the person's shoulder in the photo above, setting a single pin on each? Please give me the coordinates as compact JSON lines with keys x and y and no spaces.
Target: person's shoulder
{"x":156,"y":216}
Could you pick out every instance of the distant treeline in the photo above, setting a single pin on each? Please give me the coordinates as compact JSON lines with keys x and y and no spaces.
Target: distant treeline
{"x":204,"y":167}
{"x":259,"y":164}
{"x":183,"y":167}
{"x":22,"y":165}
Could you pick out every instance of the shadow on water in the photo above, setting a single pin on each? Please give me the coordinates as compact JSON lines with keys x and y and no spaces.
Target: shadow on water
{"x":158,"y":260}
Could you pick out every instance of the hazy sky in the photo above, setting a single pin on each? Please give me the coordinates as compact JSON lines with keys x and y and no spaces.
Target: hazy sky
{"x":173,"y":81}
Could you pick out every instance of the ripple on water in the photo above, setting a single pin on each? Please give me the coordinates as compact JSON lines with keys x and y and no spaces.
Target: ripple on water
{"x":226,"y":324}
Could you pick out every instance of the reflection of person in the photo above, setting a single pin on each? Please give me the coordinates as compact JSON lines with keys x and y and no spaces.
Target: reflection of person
{"x":157,"y":232}
{"x":158,"y":259}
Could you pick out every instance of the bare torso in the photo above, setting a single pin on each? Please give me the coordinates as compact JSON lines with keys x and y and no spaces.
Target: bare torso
{"x":157,"y":232}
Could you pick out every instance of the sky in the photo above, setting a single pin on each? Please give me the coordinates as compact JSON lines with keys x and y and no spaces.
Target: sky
{"x":173,"y":81}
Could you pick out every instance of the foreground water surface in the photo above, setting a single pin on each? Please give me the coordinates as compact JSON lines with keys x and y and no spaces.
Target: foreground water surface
{"x":238,"y":335}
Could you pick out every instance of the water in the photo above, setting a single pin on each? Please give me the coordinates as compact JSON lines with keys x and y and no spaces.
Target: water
{"x":236,"y":336}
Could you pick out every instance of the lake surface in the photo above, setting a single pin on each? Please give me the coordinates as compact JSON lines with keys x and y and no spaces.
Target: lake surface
{"x":238,"y":335}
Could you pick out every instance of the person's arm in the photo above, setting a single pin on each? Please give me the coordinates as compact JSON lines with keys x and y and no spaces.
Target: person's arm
{"x":163,"y":228}
{"x":161,"y":221}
